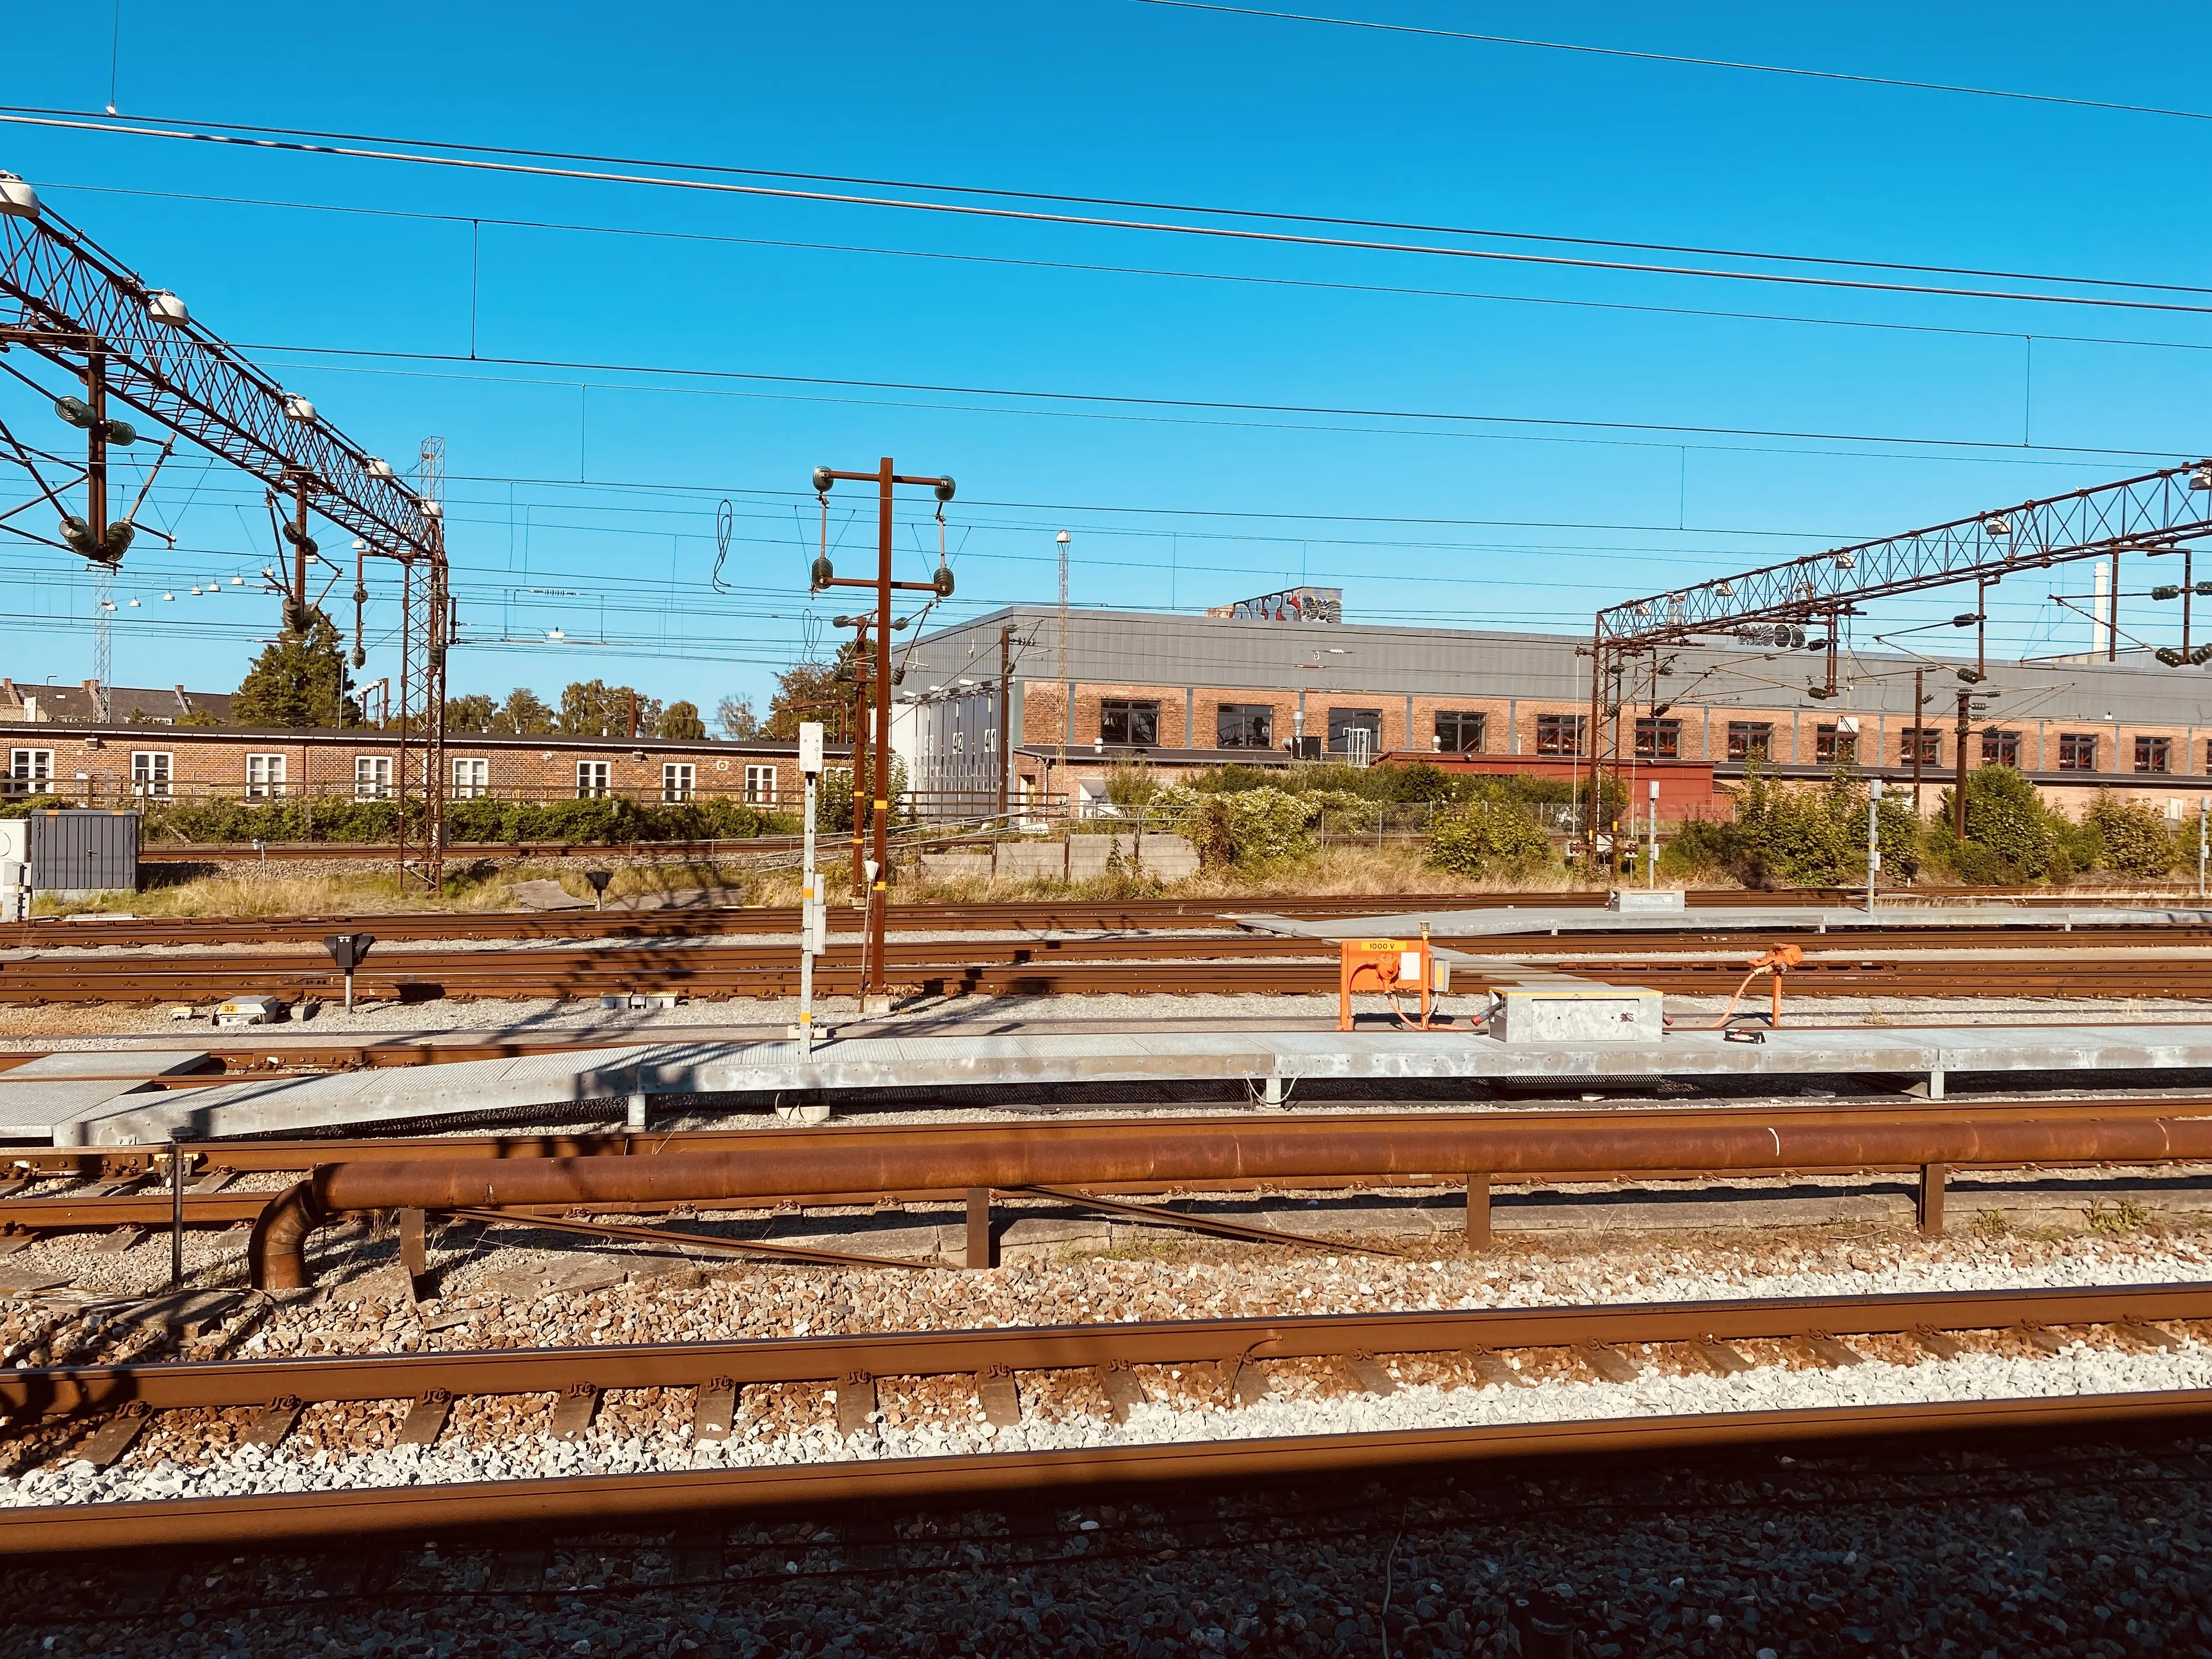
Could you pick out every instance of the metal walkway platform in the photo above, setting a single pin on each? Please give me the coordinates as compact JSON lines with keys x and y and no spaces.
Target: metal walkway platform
{"x":1541,"y":919}
{"x":751,"y":1074}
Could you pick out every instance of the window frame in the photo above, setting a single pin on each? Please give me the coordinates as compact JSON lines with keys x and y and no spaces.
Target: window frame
{"x":372,"y":777}
{"x":1247,"y":716}
{"x":1742,"y":734}
{"x":1460,"y":719}
{"x":2070,"y":745}
{"x":2155,"y":755}
{"x":269,"y":786}
{"x":1129,"y":711}
{"x":1996,"y":741}
{"x":1665,"y":736}
{"x":477,"y":784}
{"x":761,"y":780}
{"x":1834,"y":746}
{"x":1930,"y":738}
{"x":1336,"y":725}
{"x":1560,"y":734}
{"x":40,"y":774}
{"x":594,"y":780}
{"x":679,"y":782}
{"x":153,"y":782}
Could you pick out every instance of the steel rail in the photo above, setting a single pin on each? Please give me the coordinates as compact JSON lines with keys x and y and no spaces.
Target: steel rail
{"x":1230,"y":966}
{"x":87,"y":930}
{"x":1192,"y":1152}
{"x":144,"y":1388}
{"x":292,"y":1518}
{"x":275,"y":1154}
{"x":228,"y":1384}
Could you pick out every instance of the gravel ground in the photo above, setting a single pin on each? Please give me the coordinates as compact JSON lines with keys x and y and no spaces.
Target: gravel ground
{"x":511,"y":1297}
{"x":2027,"y":1552}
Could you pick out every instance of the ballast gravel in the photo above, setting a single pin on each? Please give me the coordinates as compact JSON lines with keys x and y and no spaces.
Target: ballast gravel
{"x":2079,"y":1371}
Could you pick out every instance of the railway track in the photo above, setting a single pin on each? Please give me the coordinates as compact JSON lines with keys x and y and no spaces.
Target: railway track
{"x":1043,"y":914}
{"x":1111,"y":1371}
{"x":1249,"y":965}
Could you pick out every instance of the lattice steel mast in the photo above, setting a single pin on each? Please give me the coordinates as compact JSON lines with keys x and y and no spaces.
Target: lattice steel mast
{"x":2155,"y":512}
{"x":73,"y":304}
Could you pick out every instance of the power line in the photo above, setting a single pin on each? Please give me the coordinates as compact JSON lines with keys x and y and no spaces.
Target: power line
{"x":1350,"y":412}
{"x":711,"y":238}
{"x":978,"y":210}
{"x":1699,"y":62}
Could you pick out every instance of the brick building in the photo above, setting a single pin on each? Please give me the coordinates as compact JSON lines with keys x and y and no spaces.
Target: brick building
{"x":100,"y":764}
{"x":1183,"y":692}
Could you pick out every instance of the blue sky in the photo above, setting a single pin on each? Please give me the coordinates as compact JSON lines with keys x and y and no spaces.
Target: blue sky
{"x":584,"y":499}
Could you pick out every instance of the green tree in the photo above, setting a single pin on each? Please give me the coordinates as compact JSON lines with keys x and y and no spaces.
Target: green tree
{"x":524,"y":714}
{"x":809,"y":691}
{"x":736,"y":717}
{"x":593,"y":708}
{"x":2131,"y":836}
{"x":680,"y":722}
{"x":298,"y":682}
{"x":473,"y":713}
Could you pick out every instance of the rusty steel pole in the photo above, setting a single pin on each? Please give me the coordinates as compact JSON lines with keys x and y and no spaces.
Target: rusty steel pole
{"x":885,"y":477}
{"x":1959,"y":789}
{"x":1006,"y":711}
{"x":95,"y":450}
{"x":298,"y":619}
{"x":1919,"y":716}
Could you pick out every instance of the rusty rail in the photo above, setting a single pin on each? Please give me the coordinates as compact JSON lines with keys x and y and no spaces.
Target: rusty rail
{"x":1195,"y":1151}
{"x":710,"y":1367}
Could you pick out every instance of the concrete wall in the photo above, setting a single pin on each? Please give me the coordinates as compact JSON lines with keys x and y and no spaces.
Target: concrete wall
{"x":1076,"y":858}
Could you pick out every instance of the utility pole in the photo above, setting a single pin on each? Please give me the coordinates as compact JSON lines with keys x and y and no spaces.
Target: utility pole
{"x":95,"y":518}
{"x":1919,"y":744}
{"x":1006,"y":714}
{"x":873,"y":998}
{"x":1959,"y":789}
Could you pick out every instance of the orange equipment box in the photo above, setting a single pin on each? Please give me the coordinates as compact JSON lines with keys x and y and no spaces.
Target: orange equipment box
{"x":1387,"y":965}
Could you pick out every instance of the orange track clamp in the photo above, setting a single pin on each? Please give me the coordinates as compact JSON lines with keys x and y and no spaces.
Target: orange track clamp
{"x":1388,"y":966}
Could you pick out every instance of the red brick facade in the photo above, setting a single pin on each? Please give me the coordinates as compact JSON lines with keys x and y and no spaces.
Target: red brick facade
{"x":98,"y":765}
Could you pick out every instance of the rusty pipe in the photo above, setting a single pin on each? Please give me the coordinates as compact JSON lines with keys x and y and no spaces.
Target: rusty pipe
{"x":1195,"y":1151}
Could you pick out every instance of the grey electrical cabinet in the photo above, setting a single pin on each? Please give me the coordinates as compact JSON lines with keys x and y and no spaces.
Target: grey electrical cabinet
{"x":76,"y":850}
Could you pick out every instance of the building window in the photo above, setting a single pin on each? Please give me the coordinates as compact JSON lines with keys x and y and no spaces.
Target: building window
{"x":1244,"y":726}
{"x":592,"y":779}
{"x":264,"y":776}
{"x":677,"y":780}
{"x":1749,"y":740}
{"x":2077,"y":751}
{"x":1834,"y":746}
{"x":1658,"y":739}
{"x":2000,"y":748}
{"x":1559,"y":734}
{"x":472,"y":779}
{"x":1929,"y":739}
{"x":149,"y":772}
{"x":2154,"y":754}
{"x":372,"y":777}
{"x":1460,"y":731}
{"x":1123,"y":721}
{"x":30,"y":771}
{"x":760,"y":785}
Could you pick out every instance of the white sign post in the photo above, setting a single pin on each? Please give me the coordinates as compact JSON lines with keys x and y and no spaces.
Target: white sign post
{"x":1874,"y":838}
{"x":1651,"y":838}
{"x":813,"y":918}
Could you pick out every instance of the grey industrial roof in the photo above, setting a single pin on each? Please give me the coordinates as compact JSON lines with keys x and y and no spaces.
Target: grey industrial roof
{"x":1155,"y":648}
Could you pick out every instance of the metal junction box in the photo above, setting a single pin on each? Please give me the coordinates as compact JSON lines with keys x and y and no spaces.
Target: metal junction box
{"x":77,"y":851}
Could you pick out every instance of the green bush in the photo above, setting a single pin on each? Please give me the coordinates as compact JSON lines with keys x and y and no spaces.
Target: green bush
{"x":1488,"y":836}
{"x":1245,"y":827}
{"x":2130,"y":836}
{"x":2011,"y":835}
{"x":1813,"y":836}
{"x":574,"y":821}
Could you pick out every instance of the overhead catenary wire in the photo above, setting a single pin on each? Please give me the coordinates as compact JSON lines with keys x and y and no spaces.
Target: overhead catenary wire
{"x":478,"y":221}
{"x":478,"y":163}
{"x":1903,"y":83}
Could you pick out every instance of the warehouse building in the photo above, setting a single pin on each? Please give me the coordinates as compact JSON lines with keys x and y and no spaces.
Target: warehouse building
{"x":1182,"y":693}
